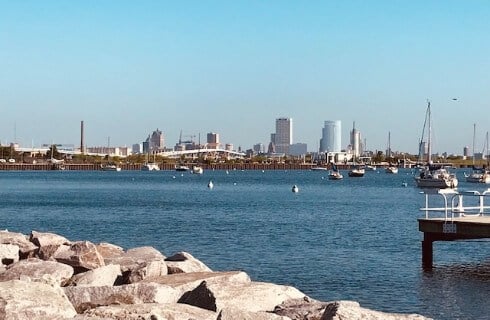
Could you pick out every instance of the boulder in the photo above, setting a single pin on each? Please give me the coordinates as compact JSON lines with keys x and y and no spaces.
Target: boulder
{"x":183,"y":262}
{"x":82,"y":255}
{"x":339,"y":310}
{"x":304,"y":309}
{"x":102,"y":276}
{"x":184,"y":282}
{"x":237,"y":314}
{"x":9,"y":253}
{"x":42,"y":239}
{"x":140,"y":263}
{"x":253,"y":296}
{"x":26,"y":248}
{"x":48,"y":271}
{"x":109,"y":251}
{"x":174,"y":311}
{"x":48,"y":252}
{"x":23,"y":300}
{"x":84,"y":298}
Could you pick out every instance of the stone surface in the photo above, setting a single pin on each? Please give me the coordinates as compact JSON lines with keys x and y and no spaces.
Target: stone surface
{"x":304,"y":309}
{"x":102,"y":276}
{"x":42,"y":239}
{"x":109,"y":251}
{"x":237,"y":314}
{"x":340,"y":310}
{"x":253,"y":297}
{"x":183,"y":262}
{"x":9,"y":253}
{"x":26,"y":248}
{"x":82,"y":255}
{"x":22,"y":300}
{"x":49,"y":271}
{"x":148,"y":312}
{"x":84,"y":298}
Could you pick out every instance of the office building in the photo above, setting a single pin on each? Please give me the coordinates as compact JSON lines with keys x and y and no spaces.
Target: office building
{"x":213,"y":141}
{"x":283,"y":137}
{"x":331,"y":140}
{"x":355,"y":142}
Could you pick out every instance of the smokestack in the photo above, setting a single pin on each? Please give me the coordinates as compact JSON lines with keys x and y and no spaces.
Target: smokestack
{"x":82,"y":147}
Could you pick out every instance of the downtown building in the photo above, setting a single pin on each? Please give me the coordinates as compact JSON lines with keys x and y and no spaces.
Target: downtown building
{"x":331,"y":140}
{"x":283,"y":137}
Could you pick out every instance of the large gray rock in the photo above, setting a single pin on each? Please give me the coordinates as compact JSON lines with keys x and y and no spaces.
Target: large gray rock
{"x":340,"y":310}
{"x":253,"y":297}
{"x":184,"y":282}
{"x":9,"y":253}
{"x":102,"y":276}
{"x":304,"y":309}
{"x":237,"y":314}
{"x":140,"y":263}
{"x":48,"y":271}
{"x":174,"y":311}
{"x":183,"y":262}
{"x":42,"y":239}
{"x":26,"y":248}
{"x":22,"y":300}
{"x":82,"y":255}
{"x":84,"y":298}
{"x":109,"y":251}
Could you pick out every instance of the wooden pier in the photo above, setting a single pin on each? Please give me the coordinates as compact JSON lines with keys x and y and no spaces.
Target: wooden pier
{"x":458,"y":222}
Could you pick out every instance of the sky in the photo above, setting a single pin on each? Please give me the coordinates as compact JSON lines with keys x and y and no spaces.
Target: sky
{"x":127,"y":68}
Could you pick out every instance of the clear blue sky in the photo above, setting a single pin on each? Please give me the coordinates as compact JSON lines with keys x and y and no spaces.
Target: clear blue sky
{"x":233,"y":67}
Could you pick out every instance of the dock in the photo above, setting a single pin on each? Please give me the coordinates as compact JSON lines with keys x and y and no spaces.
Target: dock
{"x":462,"y":215}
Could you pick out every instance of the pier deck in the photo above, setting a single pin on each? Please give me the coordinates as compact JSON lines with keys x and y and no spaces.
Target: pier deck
{"x":458,"y":222}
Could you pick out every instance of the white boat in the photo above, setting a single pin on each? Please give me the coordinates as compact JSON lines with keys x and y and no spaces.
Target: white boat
{"x":150,"y":166}
{"x":109,"y":167}
{"x":181,"y":167}
{"x":433,"y":176}
{"x":335,"y":175}
{"x":391,"y":169}
{"x":357,"y":172}
{"x":370,"y":167}
{"x":319,"y":169}
{"x":197,"y":170}
{"x":478,"y":175}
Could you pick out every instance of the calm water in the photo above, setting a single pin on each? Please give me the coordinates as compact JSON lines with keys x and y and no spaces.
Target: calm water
{"x":354,"y":239}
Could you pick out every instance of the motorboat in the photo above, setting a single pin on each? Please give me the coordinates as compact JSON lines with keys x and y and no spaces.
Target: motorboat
{"x":357,"y":172}
{"x":150,"y":166}
{"x":370,"y":167}
{"x":392,"y":170}
{"x":478,"y":175}
{"x":335,"y":175}
{"x":319,"y":169}
{"x":197,"y":170}
{"x":109,"y":167}
{"x":435,"y":176}
{"x":181,"y":167}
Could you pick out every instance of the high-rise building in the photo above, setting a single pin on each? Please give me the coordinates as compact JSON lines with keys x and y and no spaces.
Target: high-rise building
{"x":259,"y":148}
{"x":355,"y":141}
{"x":213,"y":140}
{"x":284,"y":135}
{"x":155,"y":142}
{"x":331,"y":140}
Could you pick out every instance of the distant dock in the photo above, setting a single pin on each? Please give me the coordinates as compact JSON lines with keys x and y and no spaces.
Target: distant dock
{"x":462,"y":216}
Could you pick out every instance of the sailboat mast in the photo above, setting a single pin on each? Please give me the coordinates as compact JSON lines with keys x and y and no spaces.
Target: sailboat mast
{"x":474,"y":134}
{"x":429,"y":146}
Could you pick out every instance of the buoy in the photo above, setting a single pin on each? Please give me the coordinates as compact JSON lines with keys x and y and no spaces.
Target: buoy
{"x":210,"y":184}
{"x":404,"y":184}
{"x":295,"y":189}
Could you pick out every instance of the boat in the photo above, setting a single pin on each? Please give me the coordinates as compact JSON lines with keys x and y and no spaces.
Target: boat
{"x":181,"y":167}
{"x":433,"y":176}
{"x":335,"y":175}
{"x":109,"y":167}
{"x":319,"y":169}
{"x":478,"y":175}
{"x":370,"y":167}
{"x":391,"y":169}
{"x":357,"y":172}
{"x":197,"y":170}
{"x":150,"y":166}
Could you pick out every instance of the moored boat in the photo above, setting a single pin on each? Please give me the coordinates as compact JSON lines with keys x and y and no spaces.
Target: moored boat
{"x":357,"y":172}
{"x":109,"y":167}
{"x":335,"y":175}
{"x":197,"y":170}
{"x":150,"y":166}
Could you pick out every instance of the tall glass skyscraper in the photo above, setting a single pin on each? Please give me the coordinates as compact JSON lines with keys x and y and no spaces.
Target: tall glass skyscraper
{"x":331,"y":140}
{"x":284,"y":135}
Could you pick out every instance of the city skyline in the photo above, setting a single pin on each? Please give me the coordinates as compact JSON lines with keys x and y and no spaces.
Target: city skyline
{"x":231,"y":67}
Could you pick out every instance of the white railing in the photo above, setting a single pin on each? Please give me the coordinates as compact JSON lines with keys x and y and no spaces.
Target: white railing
{"x":453,"y":203}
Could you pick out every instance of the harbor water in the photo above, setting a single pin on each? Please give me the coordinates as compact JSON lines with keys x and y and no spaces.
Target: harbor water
{"x":353,"y":239}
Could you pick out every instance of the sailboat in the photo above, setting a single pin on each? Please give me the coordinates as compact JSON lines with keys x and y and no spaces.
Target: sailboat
{"x":479,"y":175}
{"x":150,"y":166}
{"x":335,"y":174}
{"x":391,"y":168}
{"x":433,"y":176}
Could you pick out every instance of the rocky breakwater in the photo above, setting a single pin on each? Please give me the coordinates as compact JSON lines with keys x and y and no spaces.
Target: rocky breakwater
{"x":46,"y":276}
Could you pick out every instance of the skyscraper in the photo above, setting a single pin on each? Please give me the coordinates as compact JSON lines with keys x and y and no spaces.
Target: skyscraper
{"x":213,"y":140}
{"x":331,"y":140}
{"x":284,"y":135}
{"x":355,"y":141}
{"x":155,"y":142}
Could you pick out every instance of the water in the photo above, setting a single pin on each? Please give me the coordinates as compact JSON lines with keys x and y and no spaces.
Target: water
{"x":354,"y":239}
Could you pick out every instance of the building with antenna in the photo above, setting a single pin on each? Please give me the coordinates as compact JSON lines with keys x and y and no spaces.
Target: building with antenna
{"x":355,"y":142}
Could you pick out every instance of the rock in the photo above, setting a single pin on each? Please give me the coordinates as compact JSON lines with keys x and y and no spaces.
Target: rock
{"x":109,"y":251}
{"x":84,"y":298}
{"x":22,"y":300}
{"x":9,"y":253}
{"x":102,"y":276}
{"x":174,"y":311}
{"x":237,"y":314}
{"x":183,"y":262}
{"x":304,"y":309}
{"x":339,"y":310}
{"x":42,"y":239}
{"x":26,"y":248}
{"x":253,"y":297}
{"x":140,"y":263}
{"x":184,"y":282}
{"x":82,"y":255}
{"x":48,"y":271}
